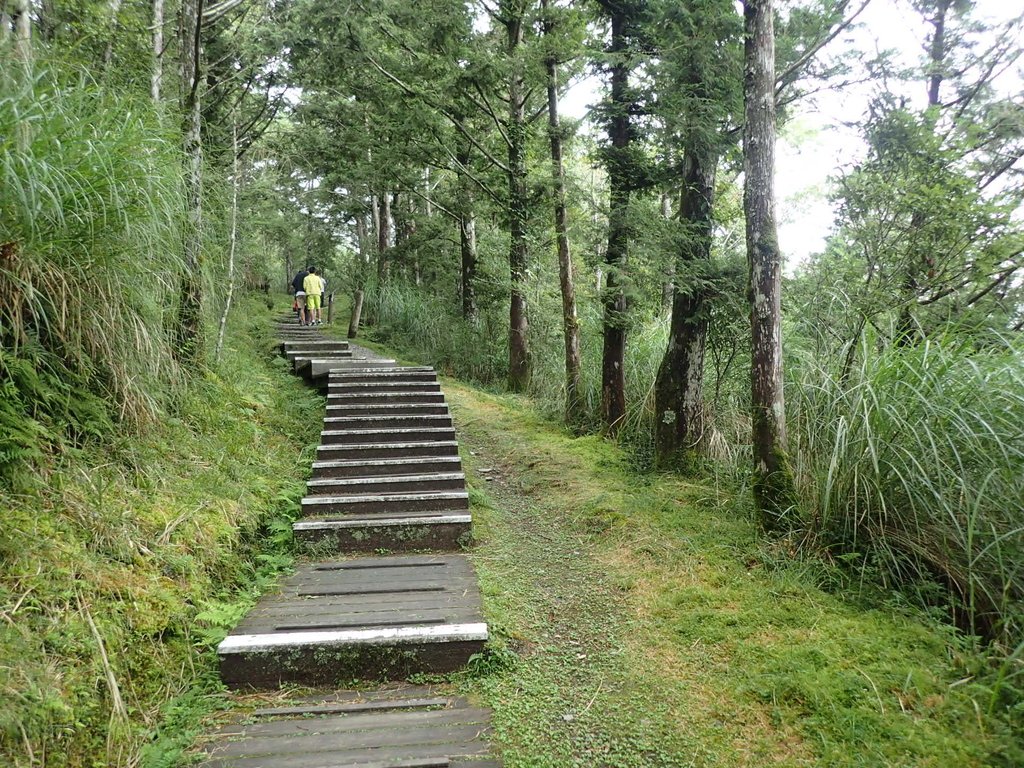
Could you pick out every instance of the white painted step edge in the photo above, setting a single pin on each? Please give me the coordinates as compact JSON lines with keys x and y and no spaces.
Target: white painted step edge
{"x":379,"y":479}
{"x":386,"y":522}
{"x":315,"y":501}
{"x":445,"y":633}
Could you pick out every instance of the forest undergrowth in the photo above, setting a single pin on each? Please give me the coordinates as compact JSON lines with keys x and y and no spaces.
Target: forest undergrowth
{"x":908,"y":460}
{"x":640,"y":620}
{"x":130,"y":558}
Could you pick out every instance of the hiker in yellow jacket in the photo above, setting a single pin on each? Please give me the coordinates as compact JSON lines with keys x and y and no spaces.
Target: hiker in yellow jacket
{"x":314,"y":288}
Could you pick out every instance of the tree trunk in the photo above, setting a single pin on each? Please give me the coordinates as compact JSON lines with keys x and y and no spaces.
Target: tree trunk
{"x":108,"y":52}
{"x":613,"y":375}
{"x":357,"y":311}
{"x":19,"y":22}
{"x":774,"y":491}
{"x":570,"y":320}
{"x":668,"y":280}
{"x":232,"y":241}
{"x":189,"y":330}
{"x":518,"y":341}
{"x":383,"y":237}
{"x":467,"y":236}
{"x":678,"y":389}
{"x":157,"y":76}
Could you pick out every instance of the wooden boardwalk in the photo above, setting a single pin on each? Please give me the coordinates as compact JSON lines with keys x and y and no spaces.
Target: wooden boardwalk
{"x":384,"y":594}
{"x":404,"y":727}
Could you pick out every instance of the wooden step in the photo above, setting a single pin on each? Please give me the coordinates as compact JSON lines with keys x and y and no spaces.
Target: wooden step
{"x":355,"y":376}
{"x":386,"y":466}
{"x":384,"y":408}
{"x":388,"y":387}
{"x":387,"y":421}
{"x":388,"y":450}
{"x":383,"y":435}
{"x":390,"y":504}
{"x":336,"y":621}
{"x":307,"y":346}
{"x":405,"y":532}
{"x":362,"y":486}
{"x":406,"y":727}
{"x":379,"y":398}
{"x":335,"y":353}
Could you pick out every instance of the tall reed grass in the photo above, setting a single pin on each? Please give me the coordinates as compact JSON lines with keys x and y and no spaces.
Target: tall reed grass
{"x":915,"y":466}
{"x":90,"y":218}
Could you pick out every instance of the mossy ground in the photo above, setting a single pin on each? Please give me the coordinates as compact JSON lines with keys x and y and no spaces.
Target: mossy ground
{"x":128,"y":560}
{"x":639,"y":620}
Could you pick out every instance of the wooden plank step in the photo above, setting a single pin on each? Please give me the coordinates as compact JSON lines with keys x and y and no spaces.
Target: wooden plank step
{"x":376,"y":420}
{"x":404,"y":727}
{"x":390,"y":466}
{"x":395,"y":450}
{"x":398,"y":373}
{"x":452,"y":736}
{"x":435,"y":481}
{"x":317,"y":366}
{"x":382,"y":435}
{"x":263,"y":651}
{"x":341,"y":353}
{"x":389,"y":409}
{"x":309,"y":346}
{"x":396,"y":398}
{"x":445,"y":532}
{"x":358,"y":387}
{"x":386,"y":503}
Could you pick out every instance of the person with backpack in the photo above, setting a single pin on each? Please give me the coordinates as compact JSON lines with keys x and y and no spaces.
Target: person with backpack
{"x":300,"y":294}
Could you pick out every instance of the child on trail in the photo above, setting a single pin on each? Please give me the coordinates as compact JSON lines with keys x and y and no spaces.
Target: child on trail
{"x":314,"y":289}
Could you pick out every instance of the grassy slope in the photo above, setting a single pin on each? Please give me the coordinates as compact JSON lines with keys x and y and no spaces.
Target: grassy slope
{"x":140,"y":551}
{"x":640,"y":622}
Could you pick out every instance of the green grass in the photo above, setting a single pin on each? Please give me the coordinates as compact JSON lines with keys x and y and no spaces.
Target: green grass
{"x":640,"y":621}
{"x":148,"y":546}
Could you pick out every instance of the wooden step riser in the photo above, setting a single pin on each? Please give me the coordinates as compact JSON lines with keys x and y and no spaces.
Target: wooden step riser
{"x":388,"y":409}
{"x":437,"y":537}
{"x":425,"y":484}
{"x":380,"y":377}
{"x":387,"y":421}
{"x":450,"y":464}
{"x":393,"y":398}
{"x":320,"y":354}
{"x":294,"y":346}
{"x":357,"y":437}
{"x":385,"y":374}
{"x":383,"y":451}
{"x":375,"y":387}
{"x":311,"y":507}
{"x":334,"y":667}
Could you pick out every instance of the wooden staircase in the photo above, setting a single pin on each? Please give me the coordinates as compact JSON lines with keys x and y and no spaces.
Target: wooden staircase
{"x":384,"y":594}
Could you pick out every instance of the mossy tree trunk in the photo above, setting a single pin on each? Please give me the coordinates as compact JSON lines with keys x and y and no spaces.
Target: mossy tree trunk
{"x":189,"y":328}
{"x":620,"y":183}
{"x":570,"y":320}
{"x":774,"y":492}
{"x":678,"y":389}
{"x":467,"y":236}
{"x":518,"y":339}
